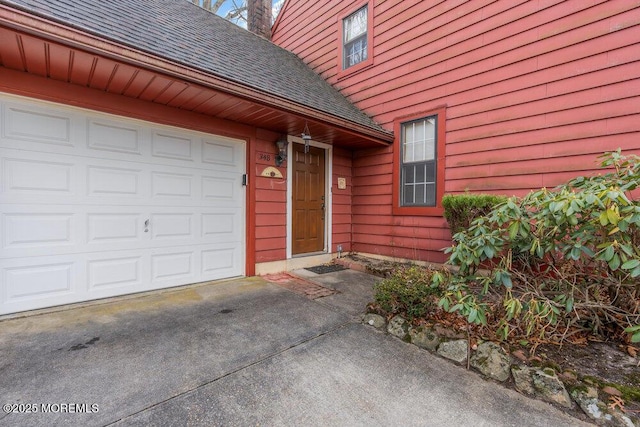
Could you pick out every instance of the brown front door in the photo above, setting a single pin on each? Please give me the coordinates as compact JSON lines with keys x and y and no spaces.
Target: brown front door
{"x":308,"y":200}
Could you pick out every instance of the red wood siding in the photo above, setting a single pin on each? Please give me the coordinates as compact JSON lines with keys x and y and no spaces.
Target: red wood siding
{"x":342,"y":200}
{"x":534,"y":90}
{"x":271,"y":203}
{"x":375,"y":229}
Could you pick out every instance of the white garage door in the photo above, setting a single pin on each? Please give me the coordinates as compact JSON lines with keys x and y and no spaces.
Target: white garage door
{"x":94,"y":205}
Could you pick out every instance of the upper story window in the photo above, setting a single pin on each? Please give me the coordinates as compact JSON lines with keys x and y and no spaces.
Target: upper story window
{"x":354,"y":38}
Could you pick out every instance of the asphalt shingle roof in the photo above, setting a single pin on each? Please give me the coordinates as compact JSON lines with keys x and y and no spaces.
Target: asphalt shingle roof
{"x":182,"y":32}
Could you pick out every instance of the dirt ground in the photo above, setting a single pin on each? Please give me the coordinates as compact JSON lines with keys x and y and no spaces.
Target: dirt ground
{"x":610,"y":363}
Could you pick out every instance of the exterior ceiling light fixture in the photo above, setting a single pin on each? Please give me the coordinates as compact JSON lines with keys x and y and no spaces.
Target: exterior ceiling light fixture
{"x":306,"y":137}
{"x":282,"y":144}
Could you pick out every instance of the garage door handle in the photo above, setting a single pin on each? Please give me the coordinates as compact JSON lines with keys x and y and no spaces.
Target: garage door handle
{"x":146,"y":226}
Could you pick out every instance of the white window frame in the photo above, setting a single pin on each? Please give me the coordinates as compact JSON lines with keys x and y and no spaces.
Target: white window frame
{"x":418,"y":162}
{"x":355,"y":46}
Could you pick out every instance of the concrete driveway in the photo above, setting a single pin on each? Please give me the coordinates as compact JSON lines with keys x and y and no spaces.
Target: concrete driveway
{"x":240,"y":352}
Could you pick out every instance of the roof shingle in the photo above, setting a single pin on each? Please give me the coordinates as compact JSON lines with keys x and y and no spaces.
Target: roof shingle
{"x":182,"y":32}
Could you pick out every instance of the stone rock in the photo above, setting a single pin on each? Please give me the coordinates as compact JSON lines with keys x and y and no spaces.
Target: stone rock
{"x":589,"y":392}
{"x":454,"y":350}
{"x":550,"y":388}
{"x":424,"y":338}
{"x":622,"y":420}
{"x":588,"y":401}
{"x":593,"y":408}
{"x":598,"y":411}
{"x":374,"y":320}
{"x":398,"y":326}
{"x":537,"y":383}
{"x":522,"y":377}
{"x":492,"y":361}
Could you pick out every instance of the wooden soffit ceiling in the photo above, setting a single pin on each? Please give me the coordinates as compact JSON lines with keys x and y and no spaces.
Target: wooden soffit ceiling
{"x":51,"y":51}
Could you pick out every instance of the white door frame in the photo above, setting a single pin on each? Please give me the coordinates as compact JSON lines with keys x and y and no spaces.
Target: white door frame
{"x":328,"y":170}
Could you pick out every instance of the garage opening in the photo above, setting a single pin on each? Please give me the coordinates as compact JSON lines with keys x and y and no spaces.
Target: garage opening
{"x":95,"y":205}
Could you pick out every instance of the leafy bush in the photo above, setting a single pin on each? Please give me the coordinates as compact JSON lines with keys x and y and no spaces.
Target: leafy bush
{"x":562,"y":261}
{"x":409,"y":291}
{"x":461,"y":209}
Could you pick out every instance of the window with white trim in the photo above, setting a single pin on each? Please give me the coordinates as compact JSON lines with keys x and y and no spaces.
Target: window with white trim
{"x":354,"y":38}
{"x":418,"y":168}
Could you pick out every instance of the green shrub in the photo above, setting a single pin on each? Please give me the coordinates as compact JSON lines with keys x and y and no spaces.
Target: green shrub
{"x":408,"y":291}
{"x":563,"y":260}
{"x":461,"y":209}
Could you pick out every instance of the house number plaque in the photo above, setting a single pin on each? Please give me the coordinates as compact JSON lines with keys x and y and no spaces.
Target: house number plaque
{"x":263,"y":157}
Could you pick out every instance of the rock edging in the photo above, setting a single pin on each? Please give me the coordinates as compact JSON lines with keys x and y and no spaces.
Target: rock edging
{"x":492,"y":361}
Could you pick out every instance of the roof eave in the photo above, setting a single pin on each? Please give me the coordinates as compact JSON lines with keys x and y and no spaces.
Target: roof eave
{"x":71,"y":36}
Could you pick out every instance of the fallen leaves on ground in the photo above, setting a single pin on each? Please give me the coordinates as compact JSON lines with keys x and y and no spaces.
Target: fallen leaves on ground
{"x":616,"y":402}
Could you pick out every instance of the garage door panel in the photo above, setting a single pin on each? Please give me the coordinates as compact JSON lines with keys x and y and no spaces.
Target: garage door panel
{"x":220,"y":262}
{"x":172,"y":186}
{"x":22,"y":230}
{"x":31,"y":230}
{"x":206,"y":262}
{"x":27,"y":178}
{"x":94,"y":205}
{"x":172,"y":226}
{"x":68,"y":131}
{"x":114,"y":136}
{"x":114,"y":227}
{"x":36,"y":282}
{"x":35,"y":124}
{"x":28,"y":174}
{"x":35,"y":230}
{"x":104,"y":181}
{"x":33,"y":176}
{"x":172,"y":267}
{"x":223,"y":154}
{"x":222,"y":190}
{"x":112,"y":273}
{"x":172,"y":146}
{"x":221,"y":226}
{"x":39,"y":281}
{"x":121,"y":274}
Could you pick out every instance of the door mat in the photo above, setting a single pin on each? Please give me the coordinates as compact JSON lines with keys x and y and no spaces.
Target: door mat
{"x":326,"y":268}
